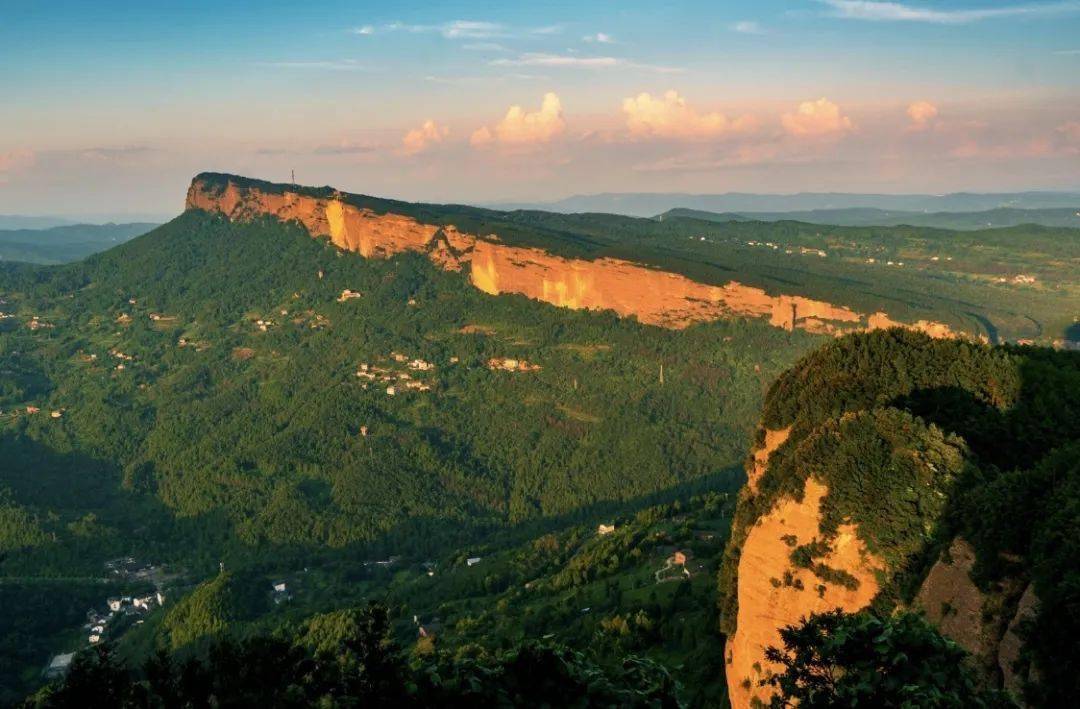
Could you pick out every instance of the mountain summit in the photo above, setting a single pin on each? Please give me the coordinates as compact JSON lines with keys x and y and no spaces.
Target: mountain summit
{"x":500,"y":257}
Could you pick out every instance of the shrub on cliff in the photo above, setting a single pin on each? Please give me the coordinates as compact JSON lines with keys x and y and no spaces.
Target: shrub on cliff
{"x":850,"y":660}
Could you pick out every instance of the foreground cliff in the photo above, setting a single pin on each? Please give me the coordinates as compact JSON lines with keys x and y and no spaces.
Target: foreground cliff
{"x":877,"y":482}
{"x":378,"y":229}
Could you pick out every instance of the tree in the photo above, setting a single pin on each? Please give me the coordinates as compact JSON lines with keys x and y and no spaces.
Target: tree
{"x":836,"y":659}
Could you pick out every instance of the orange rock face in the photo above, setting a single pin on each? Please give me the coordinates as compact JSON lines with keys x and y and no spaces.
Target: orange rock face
{"x":774,"y":593}
{"x":653,"y":296}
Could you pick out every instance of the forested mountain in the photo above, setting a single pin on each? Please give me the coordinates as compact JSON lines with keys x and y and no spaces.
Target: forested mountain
{"x":868,"y":216}
{"x":61,"y":244}
{"x":998,"y":284}
{"x":214,"y":392}
{"x":892,"y":470}
{"x":643,"y":204}
{"x":289,"y":402}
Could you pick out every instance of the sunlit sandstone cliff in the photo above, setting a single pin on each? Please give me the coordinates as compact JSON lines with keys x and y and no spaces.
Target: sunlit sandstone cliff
{"x":655,"y":297}
{"x":774,"y":592}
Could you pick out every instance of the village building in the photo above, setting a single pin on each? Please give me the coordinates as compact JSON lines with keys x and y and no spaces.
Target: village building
{"x":472,"y":561}
{"x":605,"y":529}
{"x":59,"y":666}
{"x":348,"y":295}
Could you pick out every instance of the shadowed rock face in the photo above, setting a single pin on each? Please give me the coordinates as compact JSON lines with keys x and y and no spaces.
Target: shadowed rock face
{"x":653,"y":296}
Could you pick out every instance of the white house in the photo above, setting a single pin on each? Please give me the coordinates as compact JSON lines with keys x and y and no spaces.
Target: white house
{"x":59,"y":665}
{"x":473,"y":560}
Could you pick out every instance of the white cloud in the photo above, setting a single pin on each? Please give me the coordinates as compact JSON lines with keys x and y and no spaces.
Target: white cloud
{"x":562,"y":60}
{"x":420,"y":139}
{"x":460,"y":29}
{"x":875,"y":11}
{"x":816,"y":119}
{"x":922,"y":114}
{"x":747,"y":27}
{"x":599,"y":38}
{"x":114,"y":153}
{"x":342,"y":65}
{"x":574,"y":61}
{"x":470,"y":29}
{"x":523,"y":128}
{"x":485,"y":47}
{"x":670,"y":117}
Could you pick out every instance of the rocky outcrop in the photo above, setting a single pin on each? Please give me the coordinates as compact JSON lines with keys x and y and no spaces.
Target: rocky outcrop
{"x":952,"y":602}
{"x":982,"y":622}
{"x":651,"y":295}
{"x":773,"y":592}
{"x":1013,"y":675}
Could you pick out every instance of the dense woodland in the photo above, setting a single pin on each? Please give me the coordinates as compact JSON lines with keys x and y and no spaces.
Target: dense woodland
{"x":920,"y":441}
{"x":194,"y":437}
{"x":204,"y":399}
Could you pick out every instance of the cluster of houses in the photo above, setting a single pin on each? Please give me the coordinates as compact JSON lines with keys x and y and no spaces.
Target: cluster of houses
{"x":1021,"y":279}
{"x":509,"y":364}
{"x":37,"y":323}
{"x":118,"y":606}
{"x":31,"y":410}
{"x":396,"y":380}
{"x":264,"y":324}
{"x":122,"y":357}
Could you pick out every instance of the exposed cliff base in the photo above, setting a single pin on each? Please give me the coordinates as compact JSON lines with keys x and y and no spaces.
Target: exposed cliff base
{"x":653,"y":296}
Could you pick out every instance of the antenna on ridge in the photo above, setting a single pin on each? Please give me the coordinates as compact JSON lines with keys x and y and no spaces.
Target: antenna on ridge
{"x":292,"y":176}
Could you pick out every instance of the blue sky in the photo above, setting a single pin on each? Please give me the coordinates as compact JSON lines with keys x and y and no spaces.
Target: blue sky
{"x":111,"y":106}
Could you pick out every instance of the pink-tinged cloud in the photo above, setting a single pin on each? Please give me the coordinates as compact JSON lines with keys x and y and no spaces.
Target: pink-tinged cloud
{"x":817,"y":119}
{"x":1070,"y":136}
{"x":1031,"y":148}
{"x":524,"y":128}
{"x":670,"y":117}
{"x":420,"y":139}
{"x":922,"y":114}
{"x":14,"y":161}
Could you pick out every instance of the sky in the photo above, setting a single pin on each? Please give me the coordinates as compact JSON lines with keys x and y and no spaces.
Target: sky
{"x":110,"y":107}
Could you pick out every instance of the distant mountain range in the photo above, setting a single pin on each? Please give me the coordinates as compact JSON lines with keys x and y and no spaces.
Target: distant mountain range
{"x":62,"y":244}
{"x":644,"y":204}
{"x":862,"y":216}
